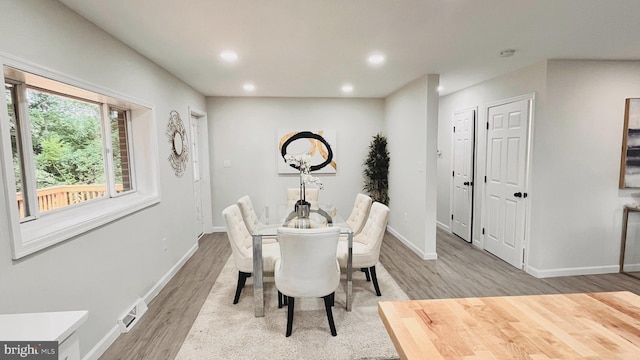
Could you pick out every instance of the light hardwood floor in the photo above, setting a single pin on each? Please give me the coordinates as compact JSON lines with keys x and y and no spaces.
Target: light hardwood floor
{"x":462,"y":270}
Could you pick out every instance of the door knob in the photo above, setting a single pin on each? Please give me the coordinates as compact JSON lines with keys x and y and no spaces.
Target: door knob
{"x":465,"y":183}
{"x":518,"y":194}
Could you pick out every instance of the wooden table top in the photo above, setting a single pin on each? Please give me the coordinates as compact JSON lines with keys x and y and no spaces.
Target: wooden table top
{"x":562,"y":326}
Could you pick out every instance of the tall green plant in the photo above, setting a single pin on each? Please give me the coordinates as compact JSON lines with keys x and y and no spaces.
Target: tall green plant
{"x":376,"y":170}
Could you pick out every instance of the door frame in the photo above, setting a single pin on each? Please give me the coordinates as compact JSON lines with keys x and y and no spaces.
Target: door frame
{"x":205,"y":173}
{"x":474,"y":170}
{"x":527,"y":176}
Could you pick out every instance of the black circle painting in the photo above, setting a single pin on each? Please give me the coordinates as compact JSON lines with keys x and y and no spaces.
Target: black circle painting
{"x":317,"y":145}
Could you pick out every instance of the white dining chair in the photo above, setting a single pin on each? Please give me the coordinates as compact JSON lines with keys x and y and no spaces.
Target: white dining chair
{"x":251,"y":219}
{"x":307,"y":268}
{"x":242,"y":248}
{"x":311,"y":195}
{"x":366,"y":245}
{"x":359,"y":213}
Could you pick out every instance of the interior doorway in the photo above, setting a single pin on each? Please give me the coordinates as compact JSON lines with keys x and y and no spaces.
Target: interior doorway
{"x":464,"y":130}
{"x":197,"y":184}
{"x":506,"y":174}
{"x":200,"y":163}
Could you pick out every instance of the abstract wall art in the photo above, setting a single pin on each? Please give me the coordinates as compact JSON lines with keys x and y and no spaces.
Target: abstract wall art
{"x":630,"y":162}
{"x":320,"y":145}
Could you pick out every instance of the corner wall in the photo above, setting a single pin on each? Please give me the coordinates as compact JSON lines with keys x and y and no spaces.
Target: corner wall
{"x":411,"y":123}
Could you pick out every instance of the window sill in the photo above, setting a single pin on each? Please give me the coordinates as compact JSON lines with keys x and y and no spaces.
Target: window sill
{"x":63,"y":225}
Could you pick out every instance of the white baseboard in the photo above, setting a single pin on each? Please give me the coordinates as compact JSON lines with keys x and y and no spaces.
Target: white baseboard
{"x":410,"y":245}
{"x":155,"y":290}
{"x":443,"y":226}
{"x":631,"y":267}
{"x":430,"y":256}
{"x":590,"y":270}
{"x":217,"y":229}
{"x":112,"y":335}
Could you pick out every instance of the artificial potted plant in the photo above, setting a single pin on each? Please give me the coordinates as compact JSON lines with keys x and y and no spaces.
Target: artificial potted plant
{"x":376,"y":170}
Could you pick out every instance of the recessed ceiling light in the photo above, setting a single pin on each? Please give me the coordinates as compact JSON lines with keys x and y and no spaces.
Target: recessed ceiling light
{"x":248,"y":87}
{"x":347,"y":88}
{"x":376,"y":59}
{"x":229,"y":56}
{"x":507,"y":52}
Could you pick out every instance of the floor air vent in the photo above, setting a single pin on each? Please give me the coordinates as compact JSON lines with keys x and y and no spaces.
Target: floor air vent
{"x":129,"y":319}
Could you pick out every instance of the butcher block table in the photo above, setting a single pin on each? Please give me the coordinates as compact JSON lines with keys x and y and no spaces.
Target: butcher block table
{"x":563,"y":326}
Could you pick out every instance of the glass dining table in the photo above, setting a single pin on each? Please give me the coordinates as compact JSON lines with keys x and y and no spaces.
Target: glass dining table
{"x":282,"y":216}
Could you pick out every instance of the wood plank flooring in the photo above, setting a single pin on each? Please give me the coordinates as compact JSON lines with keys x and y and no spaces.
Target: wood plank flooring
{"x":462,"y":270}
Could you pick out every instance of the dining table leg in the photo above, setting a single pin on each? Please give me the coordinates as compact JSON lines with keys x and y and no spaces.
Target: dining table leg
{"x":349,"y":270}
{"x":258,"y":286}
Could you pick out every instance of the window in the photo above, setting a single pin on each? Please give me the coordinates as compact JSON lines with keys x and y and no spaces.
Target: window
{"x":72,"y":159}
{"x":67,"y":147}
{"x":120,"y":150}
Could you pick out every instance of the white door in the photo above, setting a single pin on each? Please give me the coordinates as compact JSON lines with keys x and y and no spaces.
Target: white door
{"x":197,"y":183}
{"x":463,"y":148}
{"x":507,"y":147}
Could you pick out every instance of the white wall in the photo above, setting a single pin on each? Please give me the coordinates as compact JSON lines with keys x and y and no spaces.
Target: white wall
{"x":244,"y":131}
{"x":411,"y":129}
{"x":575,"y":204}
{"x":103,"y":271}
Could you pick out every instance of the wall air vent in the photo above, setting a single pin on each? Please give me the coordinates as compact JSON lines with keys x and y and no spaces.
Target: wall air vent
{"x":131,"y":317}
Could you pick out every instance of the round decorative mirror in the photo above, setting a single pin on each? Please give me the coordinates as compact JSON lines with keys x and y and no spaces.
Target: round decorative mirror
{"x":179,"y":145}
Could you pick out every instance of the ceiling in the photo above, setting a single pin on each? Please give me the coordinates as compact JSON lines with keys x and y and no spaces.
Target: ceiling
{"x":310,"y":48}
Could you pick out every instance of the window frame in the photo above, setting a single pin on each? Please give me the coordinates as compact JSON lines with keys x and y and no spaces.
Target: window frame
{"x":50,"y":228}
{"x":109,"y":161}
{"x":26,"y":145}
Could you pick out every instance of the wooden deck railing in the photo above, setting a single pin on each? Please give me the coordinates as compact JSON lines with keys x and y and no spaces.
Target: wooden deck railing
{"x":64,"y":195}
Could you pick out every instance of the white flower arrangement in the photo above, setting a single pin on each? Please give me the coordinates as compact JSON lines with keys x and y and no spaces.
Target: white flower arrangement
{"x":308,"y":179}
{"x":303,"y":163}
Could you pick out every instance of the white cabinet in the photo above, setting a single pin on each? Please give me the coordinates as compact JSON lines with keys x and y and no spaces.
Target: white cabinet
{"x":50,"y":326}
{"x":70,"y":348}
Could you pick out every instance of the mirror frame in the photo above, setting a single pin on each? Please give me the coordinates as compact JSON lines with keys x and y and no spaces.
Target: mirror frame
{"x":179,"y":148}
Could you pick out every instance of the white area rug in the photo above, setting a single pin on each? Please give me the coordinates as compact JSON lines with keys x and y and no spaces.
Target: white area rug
{"x":226,"y":331}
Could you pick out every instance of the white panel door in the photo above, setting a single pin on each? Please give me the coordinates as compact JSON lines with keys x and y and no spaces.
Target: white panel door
{"x":197,"y":183}
{"x":505,"y":180}
{"x":463,"y":149}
